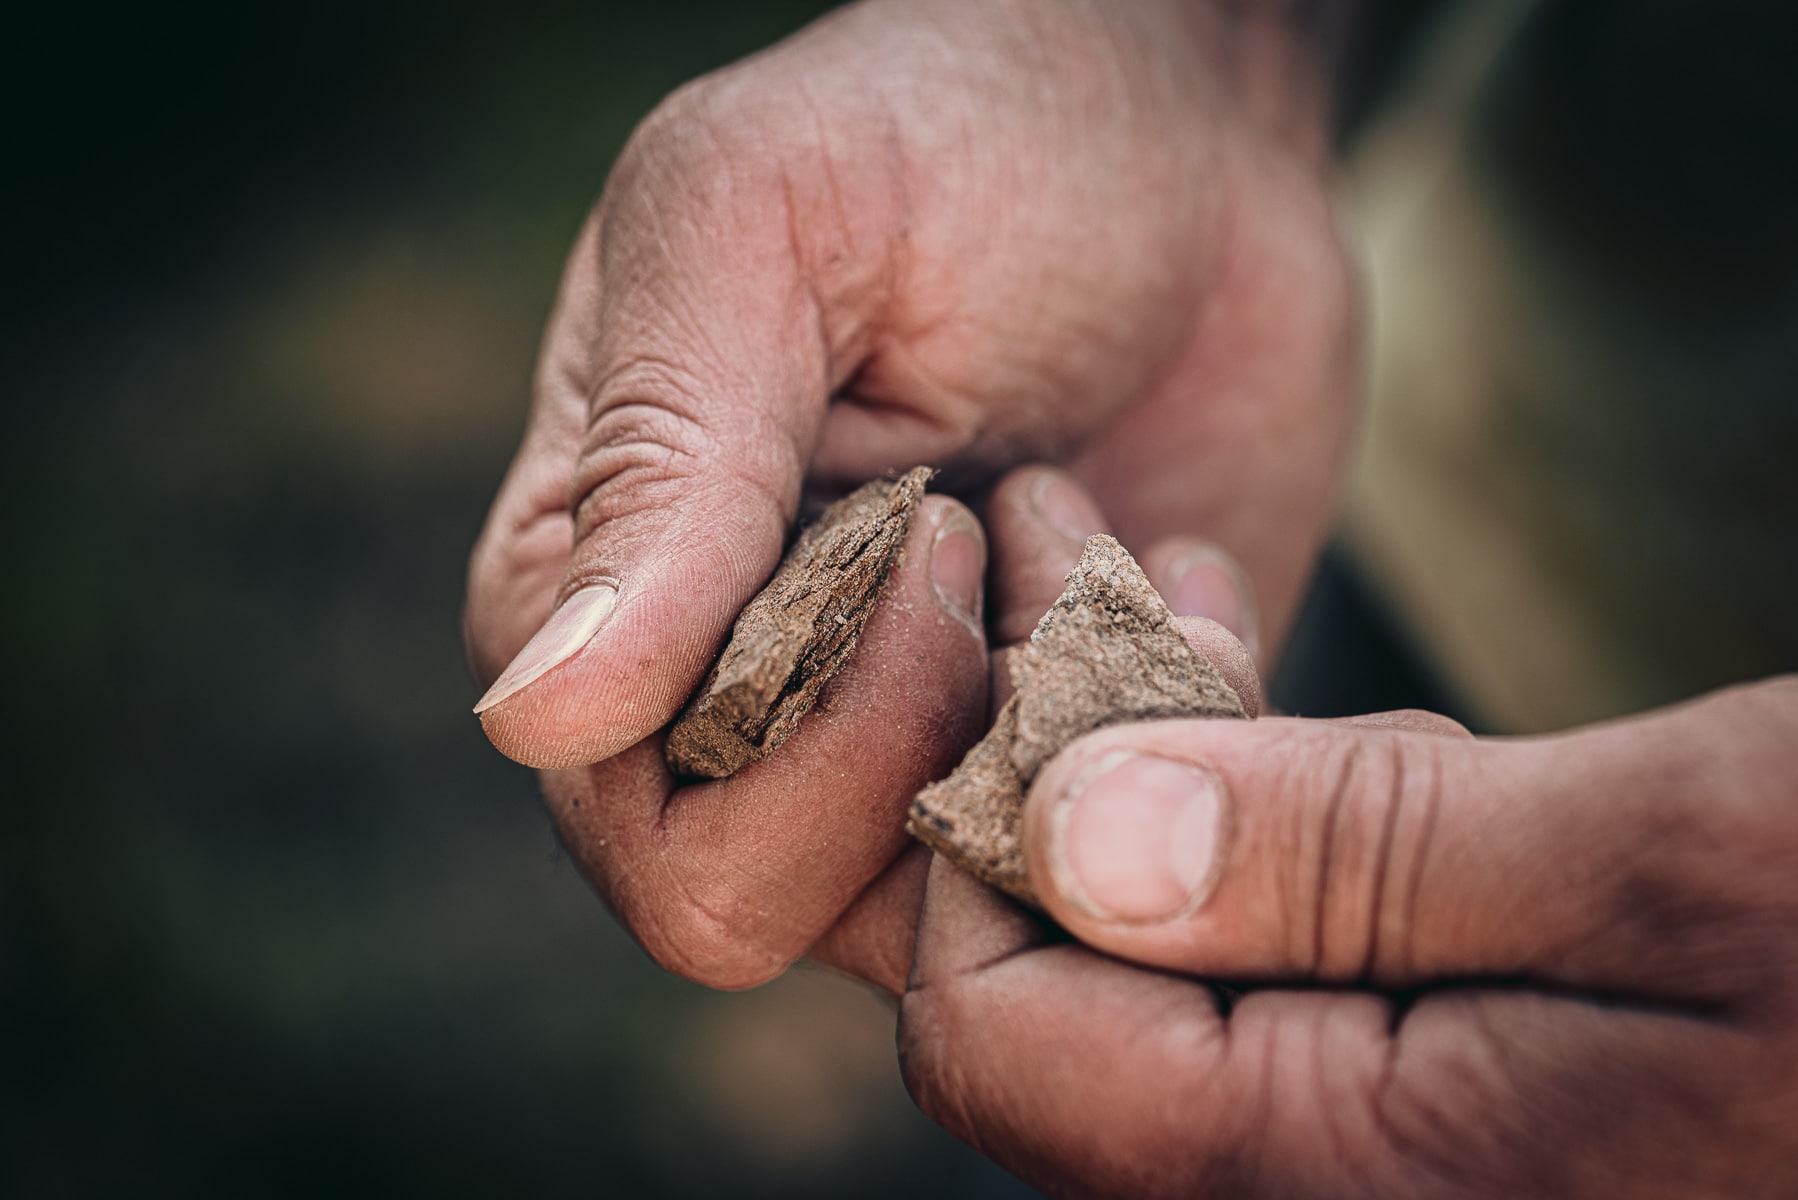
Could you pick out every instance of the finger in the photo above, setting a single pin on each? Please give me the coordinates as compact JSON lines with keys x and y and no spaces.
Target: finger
{"x":1038,"y":519}
{"x":965,"y":927}
{"x":1076,"y":1072}
{"x":704,"y":357}
{"x":1285,"y":850}
{"x":728,"y":881}
{"x":521,"y":557}
{"x":1198,"y":578}
{"x":1413,"y":720}
{"x":875,"y":939}
{"x":1223,"y":650}
{"x":1086,"y":1076}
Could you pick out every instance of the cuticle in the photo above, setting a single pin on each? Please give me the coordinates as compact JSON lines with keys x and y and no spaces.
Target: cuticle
{"x":582,"y":583}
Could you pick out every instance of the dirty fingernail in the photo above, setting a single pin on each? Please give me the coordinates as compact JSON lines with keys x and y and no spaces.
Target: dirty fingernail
{"x":1065,"y":508}
{"x":568,"y":629}
{"x":958,"y":564}
{"x":1138,"y":839}
{"x":1206,"y":582}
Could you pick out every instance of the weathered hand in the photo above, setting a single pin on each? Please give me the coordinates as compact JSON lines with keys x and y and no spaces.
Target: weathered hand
{"x":1565,"y":966}
{"x":965,"y":234}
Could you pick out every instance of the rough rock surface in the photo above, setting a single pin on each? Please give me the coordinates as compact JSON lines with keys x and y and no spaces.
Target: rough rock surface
{"x":1105,"y":653}
{"x":798,"y":632}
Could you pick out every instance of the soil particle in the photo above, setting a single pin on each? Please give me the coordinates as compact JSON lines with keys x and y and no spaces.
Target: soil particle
{"x":798,"y":632}
{"x":1106,"y":652}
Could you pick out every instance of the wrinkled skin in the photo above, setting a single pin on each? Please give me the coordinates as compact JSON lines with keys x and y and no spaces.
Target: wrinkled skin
{"x":973,"y":235}
{"x":1558,"y":967}
{"x":980,"y":234}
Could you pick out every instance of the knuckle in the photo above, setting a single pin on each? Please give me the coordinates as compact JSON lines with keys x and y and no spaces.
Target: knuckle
{"x":646,"y":418}
{"x":637,"y":459}
{"x":688,"y":161}
{"x":661,"y":435}
{"x":667,"y":135}
{"x":652,"y":449}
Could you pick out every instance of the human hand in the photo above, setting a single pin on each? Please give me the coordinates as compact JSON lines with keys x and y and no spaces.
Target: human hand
{"x":728,"y":881}
{"x":1562,"y":966}
{"x":962,"y":234}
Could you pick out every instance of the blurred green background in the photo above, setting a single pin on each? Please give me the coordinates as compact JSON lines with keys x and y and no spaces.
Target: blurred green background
{"x":274,"y":917}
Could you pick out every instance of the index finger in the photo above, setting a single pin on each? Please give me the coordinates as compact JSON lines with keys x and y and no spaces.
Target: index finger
{"x":729,"y":881}
{"x":1087,"y":1076}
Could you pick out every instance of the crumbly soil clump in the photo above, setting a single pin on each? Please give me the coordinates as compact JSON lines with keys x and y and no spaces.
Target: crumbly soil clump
{"x":1106,"y":652}
{"x":798,"y":632}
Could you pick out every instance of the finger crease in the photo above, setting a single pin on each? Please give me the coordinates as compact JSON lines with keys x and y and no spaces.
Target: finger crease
{"x":1377,"y":899}
{"x":1327,"y":855}
{"x":1420,"y":857}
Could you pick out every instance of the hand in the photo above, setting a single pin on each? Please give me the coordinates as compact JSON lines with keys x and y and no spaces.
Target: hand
{"x":1552,"y":967}
{"x":964,"y":234}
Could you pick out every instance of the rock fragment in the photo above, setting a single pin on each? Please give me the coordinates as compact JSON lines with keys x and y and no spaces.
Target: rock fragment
{"x":798,"y":632}
{"x":1106,"y":652}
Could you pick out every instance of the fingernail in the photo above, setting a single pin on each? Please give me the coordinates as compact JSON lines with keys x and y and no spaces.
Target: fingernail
{"x":1065,"y":508}
{"x":568,"y":629}
{"x":1138,"y":838}
{"x":1208,"y":583}
{"x":958,"y":565}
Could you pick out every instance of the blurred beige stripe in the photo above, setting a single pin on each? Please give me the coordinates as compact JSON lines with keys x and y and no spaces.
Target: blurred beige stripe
{"x":1568,"y":492}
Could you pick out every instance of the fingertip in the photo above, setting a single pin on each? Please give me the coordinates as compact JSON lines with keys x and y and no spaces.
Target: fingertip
{"x":1061,"y":504}
{"x":950,"y":541}
{"x":1221,"y":648}
{"x":1199,"y":578}
{"x":1409,"y":720}
{"x":1039,"y":517}
{"x":566,"y":633}
{"x":616,"y":674}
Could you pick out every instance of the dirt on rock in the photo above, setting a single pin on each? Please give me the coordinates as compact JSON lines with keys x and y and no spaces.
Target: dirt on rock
{"x":795,"y":636}
{"x":1106,"y":652}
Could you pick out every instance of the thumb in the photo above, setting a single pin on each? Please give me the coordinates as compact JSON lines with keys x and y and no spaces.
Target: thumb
{"x":647,"y":600}
{"x":1293,"y":850}
{"x":678,"y":400}
{"x":724,"y":291}
{"x":678,"y":497}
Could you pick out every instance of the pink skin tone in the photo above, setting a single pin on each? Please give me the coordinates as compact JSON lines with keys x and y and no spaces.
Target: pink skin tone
{"x":983,"y":235}
{"x":1564,"y":966}
{"x":928,"y":231}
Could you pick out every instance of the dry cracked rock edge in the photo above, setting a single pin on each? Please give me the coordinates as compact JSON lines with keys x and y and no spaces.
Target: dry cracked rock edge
{"x":798,"y":632}
{"x":1106,"y":652}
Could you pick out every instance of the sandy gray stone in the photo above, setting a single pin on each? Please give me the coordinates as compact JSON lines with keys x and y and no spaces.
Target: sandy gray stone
{"x":798,"y":632}
{"x":1105,"y":653}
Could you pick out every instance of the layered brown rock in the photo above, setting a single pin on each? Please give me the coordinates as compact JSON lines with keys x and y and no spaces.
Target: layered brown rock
{"x":798,"y":632}
{"x":1106,"y":652}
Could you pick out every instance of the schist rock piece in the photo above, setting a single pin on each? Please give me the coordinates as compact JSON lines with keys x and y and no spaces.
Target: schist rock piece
{"x":798,"y":632}
{"x":1105,"y":653}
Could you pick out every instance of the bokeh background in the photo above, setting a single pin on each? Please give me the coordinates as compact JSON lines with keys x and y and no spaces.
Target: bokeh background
{"x":274,"y":918}
{"x":277,"y":919}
